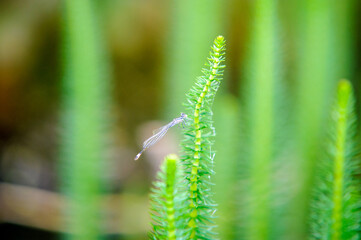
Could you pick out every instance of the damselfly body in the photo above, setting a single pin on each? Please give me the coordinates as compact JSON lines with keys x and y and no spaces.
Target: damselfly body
{"x":159,"y":133}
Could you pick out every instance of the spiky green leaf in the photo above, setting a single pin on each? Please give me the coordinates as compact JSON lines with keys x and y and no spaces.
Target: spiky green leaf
{"x":198,"y":139}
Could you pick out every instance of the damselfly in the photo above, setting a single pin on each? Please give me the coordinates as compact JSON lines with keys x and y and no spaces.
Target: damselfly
{"x":159,"y":133}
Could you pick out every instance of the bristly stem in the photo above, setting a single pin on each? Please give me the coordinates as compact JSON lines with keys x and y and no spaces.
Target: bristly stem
{"x":315,"y":75}
{"x":84,"y":119}
{"x":171,"y":169}
{"x":343,"y":97}
{"x":343,"y":174}
{"x":198,"y":157}
{"x":198,"y":139}
{"x":263,"y":80}
{"x":336,"y":206}
{"x":167,"y":200}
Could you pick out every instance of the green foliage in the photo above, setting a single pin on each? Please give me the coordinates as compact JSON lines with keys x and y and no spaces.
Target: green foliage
{"x":226,"y":121}
{"x":167,"y":201}
{"x":281,"y":138}
{"x":316,"y":63}
{"x":84,"y":100}
{"x":277,"y":156}
{"x":259,"y":135}
{"x":198,"y":155}
{"x":336,"y":209}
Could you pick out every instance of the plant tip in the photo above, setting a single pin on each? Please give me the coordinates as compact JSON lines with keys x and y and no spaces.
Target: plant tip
{"x":220,"y":38}
{"x":172,"y":157}
{"x":344,"y":84}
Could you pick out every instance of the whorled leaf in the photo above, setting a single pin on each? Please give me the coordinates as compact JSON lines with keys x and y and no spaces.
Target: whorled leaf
{"x":168,"y":201}
{"x":336,"y":205}
{"x":196,"y":147}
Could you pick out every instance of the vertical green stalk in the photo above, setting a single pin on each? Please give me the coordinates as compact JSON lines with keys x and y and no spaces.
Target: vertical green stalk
{"x":198,"y":155}
{"x":226,"y":121}
{"x":84,"y":100}
{"x":193,"y":23}
{"x":335,"y":207}
{"x":167,"y":199}
{"x":315,"y":78}
{"x":343,"y":100}
{"x":194,"y":176}
{"x":262,"y":79}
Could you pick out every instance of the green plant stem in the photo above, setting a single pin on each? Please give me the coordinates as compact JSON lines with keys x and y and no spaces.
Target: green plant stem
{"x":167,"y":201}
{"x":336,"y":201}
{"x":262,"y":79}
{"x":198,"y":136}
{"x":316,"y":77}
{"x":198,"y":139}
{"x":226,"y":121}
{"x":343,"y":97}
{"x":84,"y":100}
{"x":171,"y":169}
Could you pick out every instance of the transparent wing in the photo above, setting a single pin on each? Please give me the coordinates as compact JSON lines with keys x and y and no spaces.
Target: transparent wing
{"x":156,"y":131}
{"x":158,"y":134}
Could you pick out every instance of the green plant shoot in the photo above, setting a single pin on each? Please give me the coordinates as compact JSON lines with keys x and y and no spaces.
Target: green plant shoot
{"x":84,"y":119}
{"x":336,"y":206}
{"x":198,"y":155}
{"x":167,"y":199}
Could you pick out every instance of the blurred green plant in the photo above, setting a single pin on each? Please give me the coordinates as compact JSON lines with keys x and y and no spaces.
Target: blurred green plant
{"x":168,"y":201}
{"x":260,"y":95}
{"x":85,"y":98}
{"x":316,"y":75}
{"x":336,"y":205}
{"x":226,"y":181}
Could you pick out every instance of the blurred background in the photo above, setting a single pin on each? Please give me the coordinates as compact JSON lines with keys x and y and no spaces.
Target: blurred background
{"x":149,"y":53}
